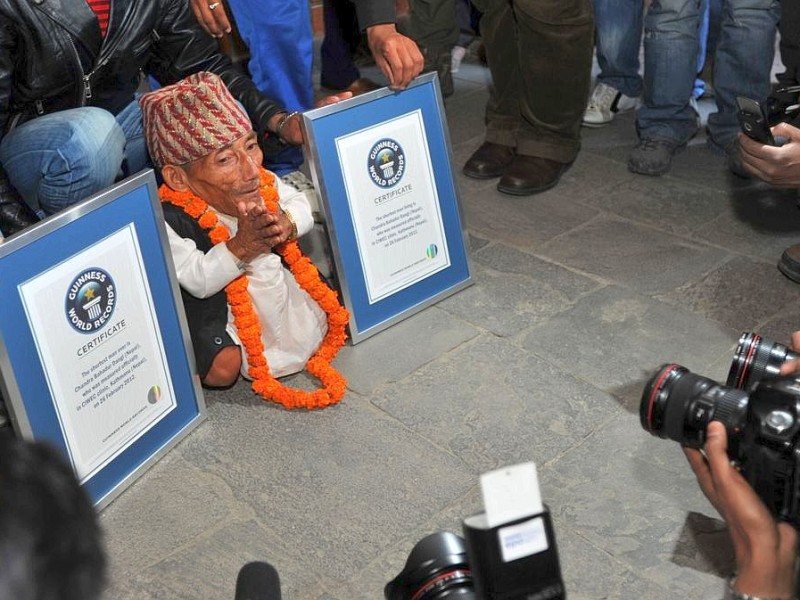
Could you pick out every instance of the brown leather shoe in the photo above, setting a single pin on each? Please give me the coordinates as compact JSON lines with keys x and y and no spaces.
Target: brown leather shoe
{"x":528,"y":175}
{"x":488,"y":161}
{"x":362,"y":85}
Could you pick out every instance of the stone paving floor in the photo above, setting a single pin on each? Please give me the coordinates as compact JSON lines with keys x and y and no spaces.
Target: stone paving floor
{"x":580,"y":293}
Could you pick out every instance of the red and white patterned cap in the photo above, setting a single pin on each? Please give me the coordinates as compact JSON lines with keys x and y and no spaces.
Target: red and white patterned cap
{"x":191,"y":119}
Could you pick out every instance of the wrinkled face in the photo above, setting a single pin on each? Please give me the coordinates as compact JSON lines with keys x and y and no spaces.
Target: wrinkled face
{"x":227,"y":176}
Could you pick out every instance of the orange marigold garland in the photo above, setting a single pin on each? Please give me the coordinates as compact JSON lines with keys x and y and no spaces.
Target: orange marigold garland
{"x":247,"y":323}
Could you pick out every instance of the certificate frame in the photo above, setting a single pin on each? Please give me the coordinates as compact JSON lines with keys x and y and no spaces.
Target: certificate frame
{"x":361,"y":207}
{"x":129,"y":216}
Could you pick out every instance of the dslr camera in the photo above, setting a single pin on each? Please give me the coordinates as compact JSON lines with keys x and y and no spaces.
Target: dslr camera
{"x":445,"y":566}
{"x":759,"y":408}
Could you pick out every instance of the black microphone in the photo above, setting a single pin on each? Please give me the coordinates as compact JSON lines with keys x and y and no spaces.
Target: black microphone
{"x":258,"y":581}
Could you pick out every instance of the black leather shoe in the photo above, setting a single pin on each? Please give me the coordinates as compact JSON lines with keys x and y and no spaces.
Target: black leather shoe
{"x":489,"y":161}
{"x":528,"y":175}
{"x":14,"y":213}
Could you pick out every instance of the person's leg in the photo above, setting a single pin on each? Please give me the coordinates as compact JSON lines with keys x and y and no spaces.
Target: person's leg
{"x":434,"y":26}
{"x":498,"y":32}
{"x":618,"y":37}
{"x":136,"y":155}
{"x":789,"y":28}
{"x":667,"y":119}
{"x":553,"y":88}
{"x":702,"y":40}
{"x":743,"y":62}
{"x":671,"y":47}
{"x":337,"y":70}
{"x":278,"y":34}
{"x":59,"y":159}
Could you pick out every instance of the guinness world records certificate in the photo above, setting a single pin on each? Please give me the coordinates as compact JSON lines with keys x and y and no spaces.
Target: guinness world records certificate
{"x":95,"y":356}
{"x":382,"y":166}
{"x":398,"y":225}
{"x":103,"y":355}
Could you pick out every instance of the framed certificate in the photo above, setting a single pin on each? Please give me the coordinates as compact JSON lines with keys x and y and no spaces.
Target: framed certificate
{"x":382,"y":165}
{"x":94,"y":351}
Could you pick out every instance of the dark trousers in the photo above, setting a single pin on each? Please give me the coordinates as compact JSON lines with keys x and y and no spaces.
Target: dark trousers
{"x":342,"y":37}
{"x":789,"y":29}
{"x":433,"y":24}
{"x":540,"y":58}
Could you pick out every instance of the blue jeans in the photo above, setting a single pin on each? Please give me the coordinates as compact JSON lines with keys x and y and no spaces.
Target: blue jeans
{"x":618,"y":38}
{"x":278,"y":34}
{"x":62,"y":158}
{"x":743,"y":60}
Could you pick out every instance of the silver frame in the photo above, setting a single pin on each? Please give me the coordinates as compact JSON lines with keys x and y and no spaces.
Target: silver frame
{"x":322,"y":192}
{"x":8,"y":380}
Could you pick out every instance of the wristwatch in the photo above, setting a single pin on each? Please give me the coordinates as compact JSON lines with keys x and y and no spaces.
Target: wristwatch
{"x":293,"y":235}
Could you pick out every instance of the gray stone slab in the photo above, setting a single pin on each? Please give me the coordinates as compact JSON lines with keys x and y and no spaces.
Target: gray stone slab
{"x":635,"y":497}
{"x":780,"y":327}
{"x":633,"y":255}
{"x":616,"y":338}
{"x":492,"y":404}
{"x":741,"y":293}
{"x":761,"y":221}
{"x":465,"y":111}
{"x":507,"y":260}
{"x":150,"y":519}
{"x":208,"y":568}
{"x":337,"y":486}
{"x":620,"y":133}
{"x":518,"y":291}
{"x":668,"y":204}
{"x":522,"y":221}
{"x":397,"y":351}
{"x":505,"y":304}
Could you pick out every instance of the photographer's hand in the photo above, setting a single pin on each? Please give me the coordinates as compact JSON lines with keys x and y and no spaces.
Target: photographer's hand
{"x":777,"y":165}
{"x":792,"y":366}
{"x":765,"y":550}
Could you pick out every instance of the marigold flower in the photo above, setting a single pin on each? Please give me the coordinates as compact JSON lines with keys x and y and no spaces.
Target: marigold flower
{"x":246,"y":320}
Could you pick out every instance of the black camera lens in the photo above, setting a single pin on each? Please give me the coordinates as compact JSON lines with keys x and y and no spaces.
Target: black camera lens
{"x":756,"y":358}
{"x":436,"y":569}
{"x":678,"y":405}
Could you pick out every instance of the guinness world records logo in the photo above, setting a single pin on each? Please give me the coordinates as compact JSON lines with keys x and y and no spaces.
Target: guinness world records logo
{"x":386,"y":163}
{"x":90,"y":300}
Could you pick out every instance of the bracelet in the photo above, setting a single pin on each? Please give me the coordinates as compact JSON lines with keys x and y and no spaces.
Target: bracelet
{"x":283,"y":120}
{"x":734,"y":595}
{"x":293,"y":235}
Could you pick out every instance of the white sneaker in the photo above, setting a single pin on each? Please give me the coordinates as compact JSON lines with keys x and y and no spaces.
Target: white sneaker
{"x":456,"y":56}
{"x":604,"y":103}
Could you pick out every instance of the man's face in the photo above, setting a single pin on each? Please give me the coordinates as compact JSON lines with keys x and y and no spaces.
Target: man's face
{"x":228,"y":176}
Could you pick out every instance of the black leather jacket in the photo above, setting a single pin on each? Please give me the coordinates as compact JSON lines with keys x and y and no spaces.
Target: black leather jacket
{"x":52,"y":57}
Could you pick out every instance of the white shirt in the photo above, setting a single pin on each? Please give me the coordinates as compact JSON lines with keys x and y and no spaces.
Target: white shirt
{"x":292,"y":324}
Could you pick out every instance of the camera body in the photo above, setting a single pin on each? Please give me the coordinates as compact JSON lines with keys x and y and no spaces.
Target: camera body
{"x":514,"y":561}
{"x":761,"y":416}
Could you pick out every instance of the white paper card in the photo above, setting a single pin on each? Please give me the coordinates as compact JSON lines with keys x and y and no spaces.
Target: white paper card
{"x":511,"y":493}
{"x":522,"y":539}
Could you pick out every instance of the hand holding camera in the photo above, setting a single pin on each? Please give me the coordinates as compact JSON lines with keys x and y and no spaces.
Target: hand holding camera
{"x":749,"y":465}
{"x":765,"y":549}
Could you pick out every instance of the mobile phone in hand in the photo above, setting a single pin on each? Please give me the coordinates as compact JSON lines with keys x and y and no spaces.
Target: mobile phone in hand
{"x":753,"y":120}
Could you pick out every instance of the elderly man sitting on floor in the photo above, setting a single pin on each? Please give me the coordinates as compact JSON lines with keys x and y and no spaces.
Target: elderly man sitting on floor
{"x":231,"y":226}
